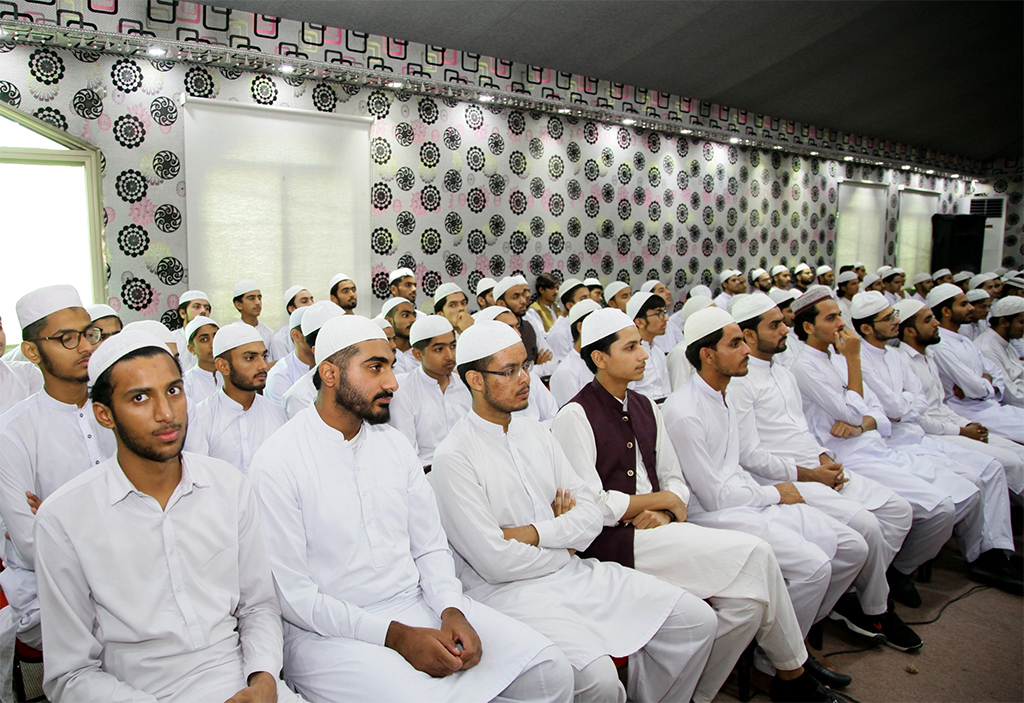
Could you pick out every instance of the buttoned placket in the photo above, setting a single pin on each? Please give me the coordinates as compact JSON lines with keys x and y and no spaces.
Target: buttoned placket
{"x":89,"y":435}
{"x":365,"y":478}
{"x":541,"y":506}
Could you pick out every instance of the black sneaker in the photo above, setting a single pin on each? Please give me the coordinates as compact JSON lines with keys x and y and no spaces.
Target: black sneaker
{"x":897,"y":633}
{"x":849,"y":612}
{"x":803,"y":689}
{"x":994,"y":568}
{"x":902,"y":588}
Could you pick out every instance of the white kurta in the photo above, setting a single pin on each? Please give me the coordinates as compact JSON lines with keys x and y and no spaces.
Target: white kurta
{"x":300,"y":396}
{"x":655,"y":383}
{"x":283,"y":376}
{"x":543,"y":406}
{"x":207,"y":616}
{"x":793,"y":346}
{"x":679,"y":367}
{"x":221,"y":428}
{"x":405,"y":362}
{"x":485,"y":480}
{"x":425,"y":415}
{"x":200,"y":385}
{"x":266,"y":334}
{"x":569,"y":378}
{"x":999,"y":352}
{"x":559,"y":338}
{"x":282,"y":345}
{"x":186,"y":358}
{"x":355,"y":543}
{"x":845,"y":310}
{"x":18,"y":380}
{"x":722,"y":300}
{"x":973,"y":330}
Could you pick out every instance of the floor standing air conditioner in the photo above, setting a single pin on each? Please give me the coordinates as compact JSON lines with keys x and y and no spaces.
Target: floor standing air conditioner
{"x":993,"y":208}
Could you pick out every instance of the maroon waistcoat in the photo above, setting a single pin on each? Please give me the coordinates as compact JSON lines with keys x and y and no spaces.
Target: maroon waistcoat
{"x":616,"y":433}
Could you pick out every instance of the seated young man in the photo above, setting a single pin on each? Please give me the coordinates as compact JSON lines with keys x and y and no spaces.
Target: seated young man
{"x":154,"y":581}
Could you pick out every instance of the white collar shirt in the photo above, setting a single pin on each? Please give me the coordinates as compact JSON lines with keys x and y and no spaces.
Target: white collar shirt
{"x":961,"y":364}
{"x":405,"y":362}
{"x":283,"y":376}
{"x":425,"y":414}
{"x":18,"y":380}
{"x":667,"y":342}
{"x":679,"y":367}
{"x":899,"y":393}
{"x":542,"y":407}
{"x":938,"y":418}
{"x":569,"y":378}
{"x":282,"y":344}
{"x":845,"y":310}
{"x":145,"y":603}
{"x":998,"y":351}
{"x":221,"y":428}
{"x":655,"y":383}
{"x":186,"y":358}
{"x":559,"y":338}
{"x":722,"y":300}
{"x":300,"y":396}
{"x":201,"y":384}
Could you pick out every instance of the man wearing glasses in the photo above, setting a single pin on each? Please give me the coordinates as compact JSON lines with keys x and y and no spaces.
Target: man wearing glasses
{"x":46,"y":440}
{"x":649,"y":314}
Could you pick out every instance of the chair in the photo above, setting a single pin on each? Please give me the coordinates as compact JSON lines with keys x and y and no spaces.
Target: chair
{"x":23,"y":654}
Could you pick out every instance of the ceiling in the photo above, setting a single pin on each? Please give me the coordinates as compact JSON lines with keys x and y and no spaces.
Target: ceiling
{"x":947,"y":76}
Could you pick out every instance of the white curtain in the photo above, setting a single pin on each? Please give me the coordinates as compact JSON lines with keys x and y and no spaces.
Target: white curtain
{"x":914,"y":251}
{"x":861,"y":224}
{"x":276,"y":195}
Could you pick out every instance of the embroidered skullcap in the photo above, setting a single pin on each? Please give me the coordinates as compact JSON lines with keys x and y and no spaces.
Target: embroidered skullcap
{"x":883,"y":270}
{"x":822,"y":270}
{"x":1008,"y":275}
{"x":648,"y":286}
{"x":582,"y":308}
{"x":34,"y":306}
{"x":907,"y":308}
{"x":317,"y":314}
{"x":570,"y":284}
{"x":637,"y":302}
{"x":614,"y":288}
{"x":295,"y":319}
{"x":154,"y":328}
{"x":977,"y":294}
{"x":234,"y":335}
{"x":867,"y":304}
{"x":751,"y":306}
{"x":814,"y":294}
{"x":858,"y":264}
{"x":382,"y":322}
{"x":444,"y":290}
{"x":336,"y":279}
{"x":757,"y":273}
{"x":484,"y":339}
{"x":941,"y":272}
{"x":780,"y":268}
{"x":1007,"y":307}
{"x":484,"y":285}
{"x":118,"y":347}
{"x":981,"y":278}
{"x":490,"y":314}
{"x":508,"y":282}
{"x":733,"y":300}
{"x":704,"y":322}
{"x":196,"y":322}
{"x":1014,"y":282}
{"x":399,"y":273}
{"x":870,"y":279}
{"x":342,"y":332}
{"x":591,"y":282}
{"x":392,"y":303}
{"x":962,"y":276}
{"x":921,"y":278}
{"x":780,"y":295}
{"x":190,"y":295}
{"x":847,"y":276}
{"x":603,"y":323}
{"x":701,"y":290}
{"x":428,"y":327}
{"x":943,"y":292}
{"x":246,"y":286}
{"x":801,"y":267}
{"x":99,"y":311}
{"x":291,"y":293}
{"x":695,"y":304}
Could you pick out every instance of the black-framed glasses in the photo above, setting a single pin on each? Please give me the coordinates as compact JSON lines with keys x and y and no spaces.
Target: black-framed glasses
{"x":512,"y":372}
{"x":72,"y":338}
{"x":663,"y":313}
{"x":891,"y":318}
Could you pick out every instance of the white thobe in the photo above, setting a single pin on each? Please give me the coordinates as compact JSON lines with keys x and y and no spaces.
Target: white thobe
{"x":221,"y":428}
{"x":722,"y":300}
{"x":819,"y":556}
{"x":559,"y":338}
{"x":655,"y":384}
{"x":425,"y":414}
{"x":543,"y":407}
{"x":569,"y":378}
{"x":845,"y":310}
{"x":892,"y":298}
{"x":973,"y":330}
{"x":44,"y":443}
{"x":675,"y":322}
{"x":14,"y":354}
{"x":282,"y":345}
{"x":486,"y":479}
{"x":186,"y":358}
{"x":920,"y":298}
{"x":788,"y":357}
{"x":666,"y":342}
{"x":679,"y":367}
{"x":728,"y":567}
{"x":18,"y":380}
{"x":266,"y":334}
{"x":300,"y":396}
{"x":201,"y":384}
{"x":405,"y":362}
{"x":355,"y":543}
{"x":142,"y":603}
{"x":961,"y":364}
{"x":999,"y":352}
{"x":289,"y":369}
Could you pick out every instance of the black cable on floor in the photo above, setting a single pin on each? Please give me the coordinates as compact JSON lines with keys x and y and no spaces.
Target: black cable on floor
{"x":845,"y":696}
{"x":970,"y":591}
{"x":873,"y":645}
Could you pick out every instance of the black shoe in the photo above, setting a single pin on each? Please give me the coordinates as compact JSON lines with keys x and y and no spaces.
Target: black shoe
{"x":826,"y":677}
{"x":849,"y":612}
{"x":898,"y":634}
{"x":994,"y":568}
{"x":902,"y":588}
{"x":803,"y":689}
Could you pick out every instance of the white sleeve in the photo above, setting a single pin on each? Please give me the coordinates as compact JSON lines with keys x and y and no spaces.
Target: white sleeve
{"x":670,"y":476}
{"x":753,"y":455}
{"x":819,"y":389}
{"x":679,"y":368}
{"x":954,"y":371}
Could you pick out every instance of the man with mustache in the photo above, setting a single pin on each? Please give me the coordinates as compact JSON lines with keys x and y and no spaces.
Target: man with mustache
{"x":233,"y":423}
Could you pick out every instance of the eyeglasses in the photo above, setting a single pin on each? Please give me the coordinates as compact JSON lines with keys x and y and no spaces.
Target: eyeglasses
{"x":889,"y":319}
{"x":107,"y":335}
{"x":658,"y":313}
{"x":512,"y":372}
{"x":71,"y":339}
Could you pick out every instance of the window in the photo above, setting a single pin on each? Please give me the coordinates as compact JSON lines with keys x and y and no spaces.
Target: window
{"x":861,"y":225}
{"x":914,"y":250}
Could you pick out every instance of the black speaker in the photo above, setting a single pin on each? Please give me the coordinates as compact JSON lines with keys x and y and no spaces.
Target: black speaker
{"x":957,"y":242}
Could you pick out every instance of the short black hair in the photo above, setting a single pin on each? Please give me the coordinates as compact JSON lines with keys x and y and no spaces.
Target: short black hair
{"x":32,"y":331}
{"x":947,"y":303}
{"x":752,"y":323}
{"x":476,"y":365}
{"x":710,"y":341}
{"x":847,"y":267}
{"x":842,"y":286}
{"x":863,"y":321}
{"x":339,"y":359}
{"x":906,"y":325}
{"x":238,"y":299}
{"x":291,"y":303}
{"x":652,"y":303}
{"x":311,"y":338}
{"x":334,"y":288}
{"x":808,"y":314}
{"x":547,"y":281}
{"x":993,"y":321}
{"x":602,"y":345}
{"x":567,"y":295}
{"x":102,"y":391}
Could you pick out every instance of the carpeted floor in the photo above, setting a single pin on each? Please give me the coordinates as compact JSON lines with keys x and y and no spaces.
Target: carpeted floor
{"x":973,"y":652}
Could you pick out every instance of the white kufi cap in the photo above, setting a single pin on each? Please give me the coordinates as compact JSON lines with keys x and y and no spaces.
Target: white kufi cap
{"x":382,"y":322}
{"x":484,"y":339}
{"x":581,"y":309}
{"x":295,"y":319}
{"x":234,"y":335}
{"x":695,"y":304}
{"x":508,"y":282}
{"x":484,"y":285}
{"x":444,"y":290}
{"x":776,"y":270}
{"x":392,"y":303}
{"x":981,"y":278}
{"x":291,"y":293}
{"x":637,"y":302}
{"x":317,"y":314}
{"x":801,"y":267}
{"x":336,"y":279}
{"x":847,"y":276}
{"x":243,"y":287}
{"x":781,"y":295}
{"x":570,"y":284}
{"x":154,"y":328}
{"x":751,"y":306}
{"x":603,"y":323}
{"x":941,"y":272}
{"x":1007,"y":307}
{"x":190,"y":295}
{"x":701,"y":290}
{"x":976,"y":294}
{"x":867,"y":304}
{"x":428,"y":327}
{"x":614,"y":288}
{"x":195,"y":323}
{"x":99,"y":311}
{"x":921,"y":278}
{"x":822,"y":270}
{"x":907,"y":308}
{"x":34,"y":306}
{"x":399,"y":273}
{"x":119,"y":346}
{"x":342,"y":332}
{"x":943,"y":292}
{"x":705,"y":322}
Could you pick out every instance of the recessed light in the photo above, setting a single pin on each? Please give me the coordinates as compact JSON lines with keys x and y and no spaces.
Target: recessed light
{"x":905,"y":167}
{"x":847,"y":158}
{"x":564,"y":111}
{"x":396,"y":84}
{"x":777,"y":147}
{"x":814,"y":153}
{"x":486,"y":98}
{"x":955,"y":175}
{"x":152,"y":51}
{"x":930,"y":171}
{"x":734,"y":140}
{"x":287,"y":68}
{"x":628,"y":121}
{"x":686,"y":131}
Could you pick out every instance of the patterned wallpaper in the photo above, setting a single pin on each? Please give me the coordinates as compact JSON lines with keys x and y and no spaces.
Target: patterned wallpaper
{"x":461,"y":190}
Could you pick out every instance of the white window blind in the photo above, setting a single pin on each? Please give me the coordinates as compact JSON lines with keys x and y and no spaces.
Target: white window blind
{"x":276,"y":195}
{"x":914,"y":250}
{"x":861,"y":225}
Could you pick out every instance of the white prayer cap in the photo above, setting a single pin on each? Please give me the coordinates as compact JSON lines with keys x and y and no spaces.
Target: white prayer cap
{"x":246,"y":286}
{"x":781,"y":295}
{"x":727,"y":274}
{"x":757,"y":273}
{"x":584,"y":307}
{"x":614,"y":288}
{"x":571,"y":284}
{"x":342,"y":332}
{"x":153,"y":328}
{"x":444,"y":290}
{"x":907,"y":308}
{"x":190,"y":295}
{"x":99,"y":311}
{"x":392,"y":303}
{"x":814,"y":294}
{"x":1008,"y":275}
{"x":291,"y":293}
{"x":867,"y":304}
{"x":118,"y":347}
{"x":382,"y":322}
{"x":234,"y":335}
{"x":858,"y":264}
{"x":399,"y":273}
{"x":847,"y":276}
{"x":776,"y":270}
{"x":295,"y":319}
{"x":962,"y":276}
{"x":1014,"y":282}
{"x":317,"y":314}
{"x":34,"y":306}
{"x":1007,"y":307}
{"x":895,"y":271}
{"x":1000,"y":270}
{"x":491,"y":314}
{"x":943,"y":292}
{"x":941,"y":272}
{"x":981,"y":278}
{"x":822,"y":270}
{"x":637,"y":302}
{"x":976,"y":294}
{"x":921,"y":278}
{"x":695,"y":304}
{"x":801,"y":267}
{"x":733,"y":300}
{"x":648,"y":286}
{"x":591,"y":282}
{"x":701,"y":290}
{"x":870,"y":279}
{"x":603,"y":323}
{"x":751,"y":306}
{"x":883,"y":270}
{"x":336,"y":279}
{"x":704,"y":322}
{"x":484,"y":285}
{"x":484,"y":339}
{"x":508,"y":282}
{"x":196,"y":322}
{"x":428,"y":327}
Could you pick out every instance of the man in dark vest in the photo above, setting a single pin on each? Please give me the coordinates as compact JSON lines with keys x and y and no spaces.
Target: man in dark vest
{"x":615,"y":440}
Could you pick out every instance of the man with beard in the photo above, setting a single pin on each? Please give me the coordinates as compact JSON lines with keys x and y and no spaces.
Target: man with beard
{"x":618,"y":294}
{"x":343,"y":292}
{"x":732,"y":284}
{"x":372,"y":607}
{"x":18,"y":379}
{"x":941,"y":276}
{"x":651,"y":318}
{"x":191,"y":304}
{"x":848,"y":286}
{"x":104,"y":317}
{"x":248,"y":301}
{"x":923,"y":284}
{"x":153,"y":573}
{"x":981,"y":301}
{"x":302,"y":392}
{"x":293,"y":365}
{"x":760,"y":281}
{"x":401,"y":314}
{"x":453,"y":304}
{"x":780,"y":276}
{"x":559,"y":337}
{"x":596,"y":289}
{"x":233,"y":423}
{"x":803,"y":277}
{"x":202,"y":380}
{"x":485,"y":292}
{"x":402,"y":284}
{"x":513,"y":292}
{"x":430,"y":400}
{"x":294,"y":298}
{"x":893,"y":279}
{"x":825,"y":276}
{"x":45,"y":441}
{"x":1006,"y":324}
